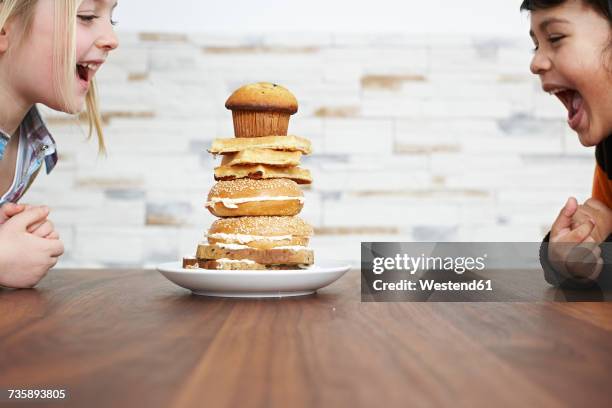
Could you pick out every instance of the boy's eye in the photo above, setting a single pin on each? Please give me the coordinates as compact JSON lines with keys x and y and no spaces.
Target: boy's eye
{"x":555,"y":38}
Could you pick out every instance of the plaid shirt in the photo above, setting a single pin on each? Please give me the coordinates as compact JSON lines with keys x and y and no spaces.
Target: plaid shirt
{"x":36,"y":145}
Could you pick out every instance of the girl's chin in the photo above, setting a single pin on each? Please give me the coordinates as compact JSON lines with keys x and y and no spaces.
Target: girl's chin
{"x":76,"y":105}
{"x":70,"y":109}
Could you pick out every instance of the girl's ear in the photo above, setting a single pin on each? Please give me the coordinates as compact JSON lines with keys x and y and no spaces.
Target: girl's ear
{"x":3,"y":40}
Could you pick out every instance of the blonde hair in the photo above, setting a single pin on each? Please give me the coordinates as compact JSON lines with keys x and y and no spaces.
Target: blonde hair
{"x":64,"y":57}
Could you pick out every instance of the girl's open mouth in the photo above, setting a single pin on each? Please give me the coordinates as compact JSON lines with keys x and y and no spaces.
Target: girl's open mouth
{"x":574,"y":103}
{"x":83,"y":72}
{"x":86,"y":70}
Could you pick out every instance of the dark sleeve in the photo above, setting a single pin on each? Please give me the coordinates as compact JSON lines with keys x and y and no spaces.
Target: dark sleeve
{"x":556,"y":279}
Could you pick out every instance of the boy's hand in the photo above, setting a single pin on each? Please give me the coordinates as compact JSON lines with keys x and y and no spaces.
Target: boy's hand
{"x":26,"y":258}
{"x":601,"y":216}
{"x":43,"y":229}
{"x":572,"y":250}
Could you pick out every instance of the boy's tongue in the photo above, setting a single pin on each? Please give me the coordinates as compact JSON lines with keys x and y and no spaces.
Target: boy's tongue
{"x":575,"y":111}
{"x":576,"y":104}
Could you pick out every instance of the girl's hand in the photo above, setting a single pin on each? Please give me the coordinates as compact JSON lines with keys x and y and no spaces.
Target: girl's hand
{"x":601,"y":216}
{"x":43,"y":229}
{"x":10,"y":209}
{"x":26,"y":258}
{"x":572,"y":251}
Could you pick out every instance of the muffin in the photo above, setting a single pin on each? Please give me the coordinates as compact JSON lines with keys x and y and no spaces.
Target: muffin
{"x":261,"y":109}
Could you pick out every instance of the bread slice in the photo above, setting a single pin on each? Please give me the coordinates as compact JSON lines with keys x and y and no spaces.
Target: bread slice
{"x":238,"y":144}
{"x":262,"y":156}
{"x":190,"y":262}
{"x":238,"y":265}
{"x":228,"y":264}
{"x":273,"y":256}
{"x":262,"y":171}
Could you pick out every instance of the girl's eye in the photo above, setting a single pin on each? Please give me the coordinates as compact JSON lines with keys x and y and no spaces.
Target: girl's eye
{"x":90,"y":18}
{"x":87,"y":18}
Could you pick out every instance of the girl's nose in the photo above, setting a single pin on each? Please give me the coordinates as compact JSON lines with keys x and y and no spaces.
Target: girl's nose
{"x":540,"y":63}
{"x":108,"y":41}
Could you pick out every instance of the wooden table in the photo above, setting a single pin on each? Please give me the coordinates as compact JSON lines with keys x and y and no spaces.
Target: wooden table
{"x":116,"y":338}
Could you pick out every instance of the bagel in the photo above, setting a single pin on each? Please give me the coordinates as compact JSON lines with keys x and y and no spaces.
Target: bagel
{"x":260,"y":232}
{"x":247,"y":197}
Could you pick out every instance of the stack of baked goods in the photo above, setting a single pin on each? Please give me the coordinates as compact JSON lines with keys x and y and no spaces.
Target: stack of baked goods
{"x":257,"y":197}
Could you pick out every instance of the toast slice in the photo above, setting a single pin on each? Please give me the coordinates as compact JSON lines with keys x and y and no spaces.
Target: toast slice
{"x":262,"y":171}
{"x":190,"y":262}
{"x":262,"y":156}
{"x":273,"y":256}
{"x":238,"y":144}
{"x":238,"y":265}
{"x":229,"y":264}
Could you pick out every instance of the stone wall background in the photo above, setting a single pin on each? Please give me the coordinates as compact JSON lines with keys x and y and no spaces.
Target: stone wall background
{"x":415,"y":137}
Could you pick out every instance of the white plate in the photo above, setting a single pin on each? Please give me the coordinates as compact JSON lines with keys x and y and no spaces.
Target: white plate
{"x":254,"y":283}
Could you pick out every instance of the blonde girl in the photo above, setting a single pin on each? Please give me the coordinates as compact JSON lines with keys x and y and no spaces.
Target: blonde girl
{"x":50,"y":51}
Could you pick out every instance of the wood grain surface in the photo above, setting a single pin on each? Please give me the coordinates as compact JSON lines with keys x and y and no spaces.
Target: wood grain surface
{"x":115,"y":338}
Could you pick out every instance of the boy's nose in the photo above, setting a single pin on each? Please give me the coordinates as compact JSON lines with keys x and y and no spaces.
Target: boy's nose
{"x":540,"y":64}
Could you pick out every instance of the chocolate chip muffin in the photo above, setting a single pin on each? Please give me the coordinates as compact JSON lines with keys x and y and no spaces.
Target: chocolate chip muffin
{"x":261,"y":109}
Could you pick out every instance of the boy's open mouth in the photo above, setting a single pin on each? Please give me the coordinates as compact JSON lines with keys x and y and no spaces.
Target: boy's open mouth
{"x":573,"y":102}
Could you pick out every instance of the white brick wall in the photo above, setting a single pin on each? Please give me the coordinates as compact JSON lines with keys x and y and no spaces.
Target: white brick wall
{"x":415,"y":138}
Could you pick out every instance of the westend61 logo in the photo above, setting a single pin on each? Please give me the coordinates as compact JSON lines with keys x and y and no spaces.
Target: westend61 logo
{"x":462,"y":272}
{"x":406,"y":264}
{"x":421,"y":271}
{"x":413,"y":264}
